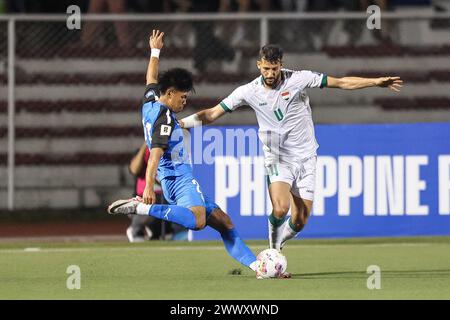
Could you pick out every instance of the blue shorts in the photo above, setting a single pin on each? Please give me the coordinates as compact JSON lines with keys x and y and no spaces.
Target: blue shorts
{"x":184,"y":191}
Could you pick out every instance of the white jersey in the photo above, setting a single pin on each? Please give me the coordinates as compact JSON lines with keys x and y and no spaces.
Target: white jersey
{"x":284,"y":115}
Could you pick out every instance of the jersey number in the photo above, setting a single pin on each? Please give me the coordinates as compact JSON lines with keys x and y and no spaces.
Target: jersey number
{"x":279,"y":114}
{"x":198,"y":189}
{"x":148,"y":132}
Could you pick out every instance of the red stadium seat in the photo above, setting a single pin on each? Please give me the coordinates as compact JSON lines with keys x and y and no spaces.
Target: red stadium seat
{"x":93,"y":106}
{"x":117,"y":78}
{"x":25,"y":159}
{"x":420,"y":103}
{"x":386,"y":50}
{"x":111,"y":52}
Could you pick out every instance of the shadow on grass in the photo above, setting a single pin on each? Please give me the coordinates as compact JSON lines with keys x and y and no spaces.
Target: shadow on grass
{"x":426,"y":274}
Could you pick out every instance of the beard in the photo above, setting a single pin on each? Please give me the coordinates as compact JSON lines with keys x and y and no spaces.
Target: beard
{"x":273,"y":84}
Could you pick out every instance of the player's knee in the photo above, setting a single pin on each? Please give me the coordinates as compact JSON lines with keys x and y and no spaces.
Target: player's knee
{"x":200,"y":223}
{"x":200,"y":217}
{"x":280,"y":209}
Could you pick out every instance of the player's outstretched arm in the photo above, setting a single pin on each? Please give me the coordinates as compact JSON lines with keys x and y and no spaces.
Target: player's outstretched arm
{"x":352,"y":83}
{"x":149,"y":196}
{"x":203,"y":117}
{"x":156,"y":43}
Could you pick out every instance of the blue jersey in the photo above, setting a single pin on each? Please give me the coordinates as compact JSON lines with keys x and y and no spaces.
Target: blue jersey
{"x":162,"y":130}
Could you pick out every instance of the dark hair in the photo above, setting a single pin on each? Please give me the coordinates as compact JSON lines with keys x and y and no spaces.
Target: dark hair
{"x":271,"y":52}
{"x":177,"y":78}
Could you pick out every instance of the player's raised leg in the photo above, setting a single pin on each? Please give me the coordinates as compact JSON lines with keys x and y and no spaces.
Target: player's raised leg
{"x":193,"y":218}
{"x":280,"y":197}
{"x":186,"y":203}
{"x":233,"y":243}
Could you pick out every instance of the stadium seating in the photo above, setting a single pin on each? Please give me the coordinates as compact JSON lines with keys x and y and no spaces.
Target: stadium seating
{"x":420,"y":103}
{"x":78,"y":106}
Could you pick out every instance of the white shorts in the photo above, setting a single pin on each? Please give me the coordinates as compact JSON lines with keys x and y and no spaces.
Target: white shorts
{"x":300,"y":176}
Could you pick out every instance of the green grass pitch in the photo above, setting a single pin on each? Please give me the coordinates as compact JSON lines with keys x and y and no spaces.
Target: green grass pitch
{"x":411,"y":268}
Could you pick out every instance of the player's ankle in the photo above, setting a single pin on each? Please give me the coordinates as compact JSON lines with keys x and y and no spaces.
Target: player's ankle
{"x":254,"y":265}
{"x":142,"y":209}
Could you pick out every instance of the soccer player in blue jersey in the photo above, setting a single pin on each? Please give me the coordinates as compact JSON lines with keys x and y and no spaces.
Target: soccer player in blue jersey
{"x":188,"y":206}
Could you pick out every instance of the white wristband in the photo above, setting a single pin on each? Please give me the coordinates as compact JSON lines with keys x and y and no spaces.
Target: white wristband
{"x":155,"y":53}
{"x":191,"y":121}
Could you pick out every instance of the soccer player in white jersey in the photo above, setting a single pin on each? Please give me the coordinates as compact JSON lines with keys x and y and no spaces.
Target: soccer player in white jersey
{"x":278,"y":97}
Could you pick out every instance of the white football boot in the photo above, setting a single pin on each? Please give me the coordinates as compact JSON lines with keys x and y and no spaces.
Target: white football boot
{"x":127,"y":206}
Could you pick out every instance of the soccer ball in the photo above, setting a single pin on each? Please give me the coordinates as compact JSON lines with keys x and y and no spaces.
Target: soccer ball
{"x":272,"y":264}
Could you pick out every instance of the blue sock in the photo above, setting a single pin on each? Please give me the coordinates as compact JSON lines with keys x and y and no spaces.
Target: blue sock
{"x":237,"y":248}
{"x":177,"y":214}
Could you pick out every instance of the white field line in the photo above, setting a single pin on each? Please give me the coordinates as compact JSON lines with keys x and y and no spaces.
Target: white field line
{"x":201,"y":248}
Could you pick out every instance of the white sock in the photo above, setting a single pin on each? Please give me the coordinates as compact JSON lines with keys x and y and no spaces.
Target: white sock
{"x":254,"y":265}
{"x":275,"y":235}
{"x":142,"y":209}
{"x":288,"y":233}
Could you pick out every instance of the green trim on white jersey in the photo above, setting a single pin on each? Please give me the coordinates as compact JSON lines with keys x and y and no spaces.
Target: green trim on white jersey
{"x":224,"y":106}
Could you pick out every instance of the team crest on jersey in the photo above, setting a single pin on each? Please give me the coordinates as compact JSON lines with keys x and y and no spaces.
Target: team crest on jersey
{"x":286,"y":95}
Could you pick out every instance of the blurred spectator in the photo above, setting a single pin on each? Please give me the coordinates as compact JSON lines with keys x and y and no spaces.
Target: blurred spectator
{"x":320,"y":29}
{"x":142,"y":226}
{"x":207,"y":45}
{"x":313,"y":35}
{"x":441,"y":6}
{"x":243,"y":33}
{"x":182,"y":35}
{"x":300,"y":35}
{"x":255,"y":5}
{"x":16,"y":6}
{"x":42,"y":6}
{"x":353,"y":28}
{"x":153,"y":6}
{"x":91,"y":31}
{"x":181,"y":5}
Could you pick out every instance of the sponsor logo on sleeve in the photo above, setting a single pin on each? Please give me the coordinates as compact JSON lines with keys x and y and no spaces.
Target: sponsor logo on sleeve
{"x":166,"y":130}
{"x":150,"y":93}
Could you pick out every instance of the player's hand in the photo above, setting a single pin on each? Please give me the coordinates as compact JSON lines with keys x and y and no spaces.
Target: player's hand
{"x":149,"y":196}
{"x":156,"y":40}
{"x":393,"y":83}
